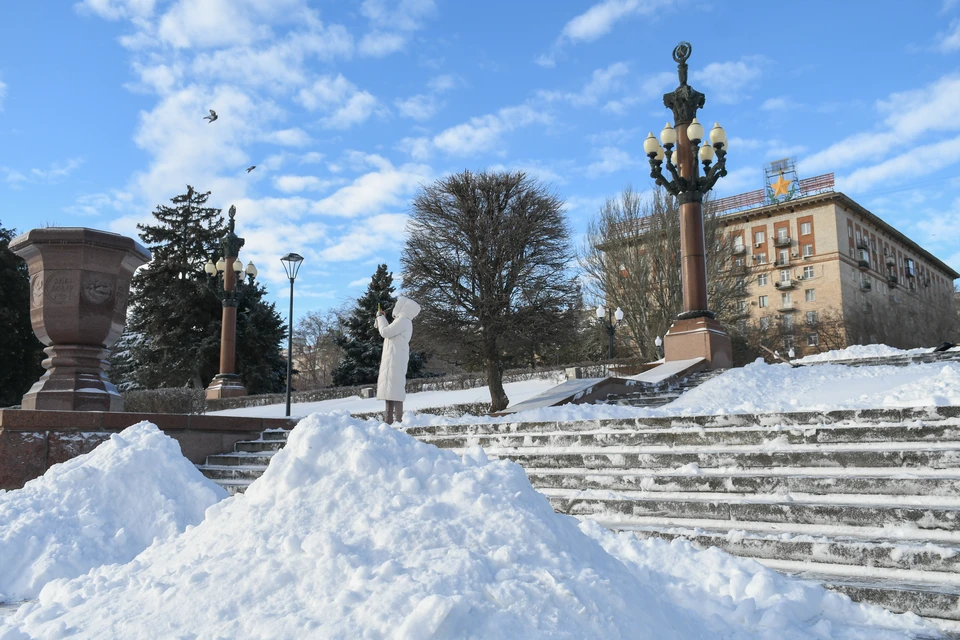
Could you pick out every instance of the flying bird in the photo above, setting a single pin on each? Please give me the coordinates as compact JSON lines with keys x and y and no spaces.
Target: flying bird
{"x":212,"y":116}
{"x":249,"y":169}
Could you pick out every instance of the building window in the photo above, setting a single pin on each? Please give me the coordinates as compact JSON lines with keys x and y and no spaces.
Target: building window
{"x":786,"y":299}
{"x":807,"y":250}
{"x":784,"y":256}
{"x":738,"y":262}
{"x":807,"y":273}
{"x":787,"y":321}
{"x":811,"y":295}
{"x":741,"y":305}
{"x":762,"y":301}
{"x":788,"y":342}
{"x":738,"y":242}
{"x":762,"y":280}
{"x":761,"y":258}
{"x":782,"y":233}
{"x":811,"y":317}
{"x":759,"y":237}
{"x":805,"y":229}
{"x":741,"y":283}
{"x":764,"y":323}
{"x":784,"y":275}
{"x":813,"y":340}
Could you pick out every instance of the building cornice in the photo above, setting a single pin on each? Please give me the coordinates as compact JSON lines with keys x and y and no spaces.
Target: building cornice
{"x":847,"y":203}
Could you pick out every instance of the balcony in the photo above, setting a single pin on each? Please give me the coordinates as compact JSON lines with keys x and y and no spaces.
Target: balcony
{"x":787,"y":307}
{"x":892,"y":279}
{"x":785,"y":284}
{"x":890,"y":261}
{"x":738,"y":270}
{"x":864,"y":244}
{"x":739,"y":249}
{"x":866,"y":285}
{"x":782,"y":241}
{"x":782,"y":263}
{"x":863,"y":264}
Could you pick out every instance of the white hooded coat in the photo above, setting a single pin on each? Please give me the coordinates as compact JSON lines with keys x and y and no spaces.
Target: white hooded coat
{"x":392,"y":382}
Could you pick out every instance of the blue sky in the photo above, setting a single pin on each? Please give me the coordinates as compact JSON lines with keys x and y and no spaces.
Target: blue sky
{"x":347,"y":107}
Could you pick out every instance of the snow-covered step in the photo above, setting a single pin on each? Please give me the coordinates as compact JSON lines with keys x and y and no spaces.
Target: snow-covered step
{"x":882,"y":553}
{"x":768,"y":481}
{"x":241,"y":458}
{"x":733,"y":509}
{"x":694,"y":436}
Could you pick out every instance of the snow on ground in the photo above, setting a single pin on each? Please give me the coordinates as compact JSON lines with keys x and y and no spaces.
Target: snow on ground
{"x":516,"y":391}
{"x":99,"y":508}
{"x":359,"y":531}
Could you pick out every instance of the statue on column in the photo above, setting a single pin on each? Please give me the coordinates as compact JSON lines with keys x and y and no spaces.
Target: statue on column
{"x":392,"y":382}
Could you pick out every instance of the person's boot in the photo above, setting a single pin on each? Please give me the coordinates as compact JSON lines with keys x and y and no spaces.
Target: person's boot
{"x":388,"y":414}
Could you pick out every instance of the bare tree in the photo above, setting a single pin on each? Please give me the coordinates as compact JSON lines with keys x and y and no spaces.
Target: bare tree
{"x":488,"y":256}
{"x":315,"y":350}
{"x":631,"y":260}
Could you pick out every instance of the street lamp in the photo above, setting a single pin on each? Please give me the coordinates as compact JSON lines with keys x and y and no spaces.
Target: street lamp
{"x":291,"y":264}
{"x":659,"y":343}
{"x":695,"y":333}
{"x":610,"y":325}
{"x":227,"y":383}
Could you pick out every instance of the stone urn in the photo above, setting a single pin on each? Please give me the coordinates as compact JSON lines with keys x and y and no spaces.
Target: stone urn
{"x":79,"y":284}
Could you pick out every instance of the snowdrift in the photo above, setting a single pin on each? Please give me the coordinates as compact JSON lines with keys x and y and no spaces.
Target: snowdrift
{"x":359,"y":531}
{"x":99,"y":508}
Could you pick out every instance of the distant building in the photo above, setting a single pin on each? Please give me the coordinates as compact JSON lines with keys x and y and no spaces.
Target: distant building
{"x":805,"y":252}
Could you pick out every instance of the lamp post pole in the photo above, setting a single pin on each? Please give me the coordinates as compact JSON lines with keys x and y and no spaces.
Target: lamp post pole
{"x":613,"y":318}
{"x":291,"y":264}
{"x":227,"y":383}
{"x":696,"y":332}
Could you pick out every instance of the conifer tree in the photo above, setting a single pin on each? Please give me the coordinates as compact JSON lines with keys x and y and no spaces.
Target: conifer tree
{"x":361,"y":342}
{"x":173,"y":335}
{"x":20,"y":351}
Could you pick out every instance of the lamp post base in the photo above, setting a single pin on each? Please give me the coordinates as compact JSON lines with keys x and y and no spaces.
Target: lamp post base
{"x":225,"y":385}
{"x":701,"y":337}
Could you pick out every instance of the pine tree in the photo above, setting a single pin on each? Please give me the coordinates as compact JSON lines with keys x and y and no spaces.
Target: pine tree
{"x":20,"y":351}
{"x":173,"y":334}
{"x":361,"y":342}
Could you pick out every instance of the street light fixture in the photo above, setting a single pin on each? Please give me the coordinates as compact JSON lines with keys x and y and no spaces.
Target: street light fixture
{"x":291,"y":265}
{"x":659,"y":343}
{"x":610,"y":325}
{"x":227,"y":383}
{"x":674,"y":166}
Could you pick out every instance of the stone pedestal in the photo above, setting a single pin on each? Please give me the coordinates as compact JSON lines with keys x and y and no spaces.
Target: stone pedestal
{"x":79,"y":284}
{"x":698,"y":338}
{"x":225,"y":385}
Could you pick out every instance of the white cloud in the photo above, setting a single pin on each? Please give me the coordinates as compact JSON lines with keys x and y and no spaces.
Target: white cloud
{"x":599,"y":19}
{"x":93,"y":204}
{"x":3,"y":93}
{"x":442,"y":83}
{"x":611,"y":160}
{"x":602,"y":81}
{"x":345,"y":104}
{"x":950,"y":41}
{"x":370,"y":237}
{"x":296,"y":184}
{"x":781,"y":103}
{"x":295,"y":137}
{"x":402,"y":15}
{"x":117,"y":9}
{"x":483,"y":133}
{"x":419,"y":148}
{"x":377,"y":44}
{"x":311,"y":157}
{"x":652,"y":88}
{"x":727,"y":81}
{"x":13,"y":177}
{"x":374,"y":191}
{"x":909,"y":116}
{"x":361,"y":282}
{"x":918,"y":161}
{"x":419,"y":107}
{"x":56,"y":170}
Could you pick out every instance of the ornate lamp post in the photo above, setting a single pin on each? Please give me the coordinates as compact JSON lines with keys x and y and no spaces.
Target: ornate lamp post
{"x":291,"y":264}
{"x":696,"y":332}
{"x":612,"y":320}
{"x":227,"y":384}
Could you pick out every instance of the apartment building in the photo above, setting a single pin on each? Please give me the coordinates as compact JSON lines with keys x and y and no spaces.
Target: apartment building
{"x":824,"y":254}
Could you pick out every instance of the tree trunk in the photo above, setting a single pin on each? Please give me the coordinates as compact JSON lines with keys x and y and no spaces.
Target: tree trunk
{"x":498,"y":397}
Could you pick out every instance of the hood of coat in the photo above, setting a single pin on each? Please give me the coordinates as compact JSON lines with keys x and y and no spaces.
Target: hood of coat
{"x":405,"y":308}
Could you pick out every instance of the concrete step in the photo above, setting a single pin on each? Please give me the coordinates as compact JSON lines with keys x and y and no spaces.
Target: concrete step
{"x":232,"y":472}
{"x":792,"y":509}
{"x":687,"y":436}
{"x":275,"y":434}
{"x":882,"y":553}
{"x":241,"y":458}
{"x":760,"y":481}
{"x":259,"y":445}
{"x":902,"y":455}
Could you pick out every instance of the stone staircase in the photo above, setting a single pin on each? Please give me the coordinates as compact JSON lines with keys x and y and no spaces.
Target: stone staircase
{"x":660,"y":394}
{"x":866,"y":502}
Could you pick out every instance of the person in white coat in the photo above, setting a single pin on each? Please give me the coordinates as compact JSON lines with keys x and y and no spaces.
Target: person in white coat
{"x":392,"y":382}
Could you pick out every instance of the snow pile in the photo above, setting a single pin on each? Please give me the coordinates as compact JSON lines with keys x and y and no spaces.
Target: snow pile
{"x":359,"y":531}
{"x":860,"y":351}
{"x":99,"y":508}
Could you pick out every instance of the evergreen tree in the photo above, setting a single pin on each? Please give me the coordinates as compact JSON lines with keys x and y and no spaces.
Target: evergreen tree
{"x":173,"y":336}
{"x":361,"y":342}
{"x":20,"y":351}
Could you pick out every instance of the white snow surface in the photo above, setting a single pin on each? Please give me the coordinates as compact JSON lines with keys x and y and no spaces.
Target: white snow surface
{"x":359,"y":531}
{"x":861,"y":351}
{"x":99,"y":508}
